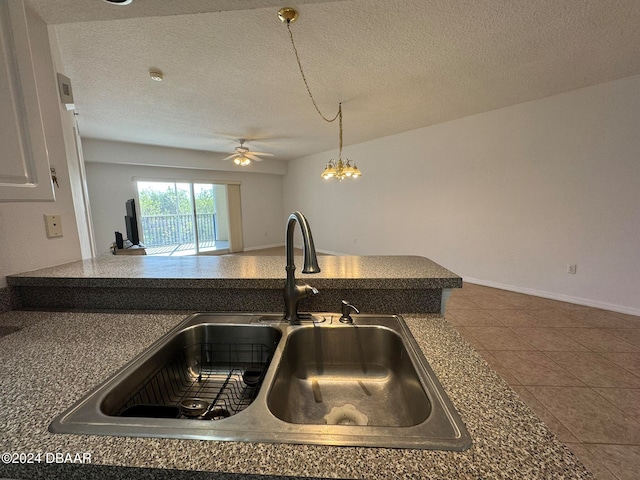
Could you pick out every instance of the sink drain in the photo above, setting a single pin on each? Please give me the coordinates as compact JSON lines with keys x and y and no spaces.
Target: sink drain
{"x":346,"y":415}
{"x":193,"y":407}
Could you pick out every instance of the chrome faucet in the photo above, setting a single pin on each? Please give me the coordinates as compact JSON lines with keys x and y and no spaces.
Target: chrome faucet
{"x":293,"y":293}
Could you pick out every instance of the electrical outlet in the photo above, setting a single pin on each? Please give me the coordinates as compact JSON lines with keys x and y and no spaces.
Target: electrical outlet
{"x":571,"y":268}
{"x":53,"y":225}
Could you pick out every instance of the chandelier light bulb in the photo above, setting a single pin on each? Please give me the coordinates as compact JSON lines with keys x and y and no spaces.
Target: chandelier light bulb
{"x":329,"y":171}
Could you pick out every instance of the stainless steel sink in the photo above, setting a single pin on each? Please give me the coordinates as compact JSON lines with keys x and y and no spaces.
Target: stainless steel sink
{"x":252,"y":377}
{"x":366,"y":367}
{"x":218,"y":367}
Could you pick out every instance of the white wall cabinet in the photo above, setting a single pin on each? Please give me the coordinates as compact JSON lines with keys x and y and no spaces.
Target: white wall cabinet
{"x":24,"y":158}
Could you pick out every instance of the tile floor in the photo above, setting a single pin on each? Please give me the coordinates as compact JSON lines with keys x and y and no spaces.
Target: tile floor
{"x":577,"y":367}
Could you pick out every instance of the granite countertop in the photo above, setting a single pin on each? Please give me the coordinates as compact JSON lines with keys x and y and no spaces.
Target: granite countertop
{"x":55,"y":358}
{"x":228,"y":271}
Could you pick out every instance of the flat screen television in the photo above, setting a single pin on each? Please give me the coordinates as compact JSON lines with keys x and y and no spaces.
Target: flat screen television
{"x":131,"y":222}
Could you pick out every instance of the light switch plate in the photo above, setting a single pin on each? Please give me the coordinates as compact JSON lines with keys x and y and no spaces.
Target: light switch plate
{"x":53,"y":224}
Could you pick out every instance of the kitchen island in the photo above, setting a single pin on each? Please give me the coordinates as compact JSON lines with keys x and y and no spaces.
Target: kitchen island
{"x":376,"y":284}
{"x":54,"y":357}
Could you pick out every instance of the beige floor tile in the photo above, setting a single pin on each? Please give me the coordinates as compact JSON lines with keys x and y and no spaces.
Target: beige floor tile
{"x":535,"y":368}
{"x":634,"y":319}
{"x":630,"y":335}
{"x":603,"y":319}
{"x":474,"y":318}
{"x":555,"y":317}
{"x":575,"y":307}
{"x":499,"y":338}
{"x":626,"y":399}
{"x":628,"y":361}
{"x":491,"y":302}
{"x":498,"y":368}
{"x":468,"y":337}
{"x":549,"y":339}
{"x":477,"y":292}
{"x":459,"y":303}
{"x":545,"y":415}
{"x":595,"y":370}
{"x":542,"y":302}
{"x":451,"y":318}
{"x":514,"y":318}
{"x":622,"y":460}
{"x":518,"y":301}
{"x":600,"y":340}
{"x":590,"y":417}
{"x":600,"y":472}
{"x":472,"y":288}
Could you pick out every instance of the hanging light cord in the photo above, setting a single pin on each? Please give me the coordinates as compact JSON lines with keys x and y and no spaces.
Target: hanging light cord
{"x":338,"y":169}
{"x":306,"y":84}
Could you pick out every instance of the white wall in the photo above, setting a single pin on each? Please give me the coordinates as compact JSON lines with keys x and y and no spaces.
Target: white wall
{"x":25,"y":245}
{"x":110,"y":185}
{"x":505,"y":198}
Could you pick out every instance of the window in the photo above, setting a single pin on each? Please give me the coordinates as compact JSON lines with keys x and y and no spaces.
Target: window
{"x":183,"y":218}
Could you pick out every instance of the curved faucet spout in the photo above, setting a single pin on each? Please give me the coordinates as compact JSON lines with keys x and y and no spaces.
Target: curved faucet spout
{"x":293,"y":293}
{"x":310,"y":259}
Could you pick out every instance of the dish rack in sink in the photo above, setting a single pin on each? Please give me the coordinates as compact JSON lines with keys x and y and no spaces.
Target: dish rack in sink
{"x":208,"y":381}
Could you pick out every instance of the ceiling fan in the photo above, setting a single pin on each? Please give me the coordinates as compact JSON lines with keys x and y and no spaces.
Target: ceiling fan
{"x":243,"y":156}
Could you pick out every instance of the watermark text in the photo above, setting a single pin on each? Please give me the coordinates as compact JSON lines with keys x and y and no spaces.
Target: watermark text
{"x":45,"y":457}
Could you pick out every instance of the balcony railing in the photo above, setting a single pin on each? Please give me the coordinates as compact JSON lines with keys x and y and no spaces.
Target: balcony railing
{"x":161,"y":230}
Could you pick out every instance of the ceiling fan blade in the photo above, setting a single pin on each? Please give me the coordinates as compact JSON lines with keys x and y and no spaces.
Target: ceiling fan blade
{"x":252,"y":157}
{"x":264,"y":154}
{"x":230,"y":156}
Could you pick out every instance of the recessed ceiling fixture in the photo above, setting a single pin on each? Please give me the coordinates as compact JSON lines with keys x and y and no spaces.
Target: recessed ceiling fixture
{"x":118,"y":2}
{"x":156,"y":75}
{"x":339,"y":169}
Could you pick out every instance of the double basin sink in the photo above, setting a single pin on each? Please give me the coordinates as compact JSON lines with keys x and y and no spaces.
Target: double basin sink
{"x":255,"y":378}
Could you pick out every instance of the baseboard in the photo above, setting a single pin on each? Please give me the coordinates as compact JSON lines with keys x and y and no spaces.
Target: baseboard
{"x":555,"y":296}
{"x":263,"y":247}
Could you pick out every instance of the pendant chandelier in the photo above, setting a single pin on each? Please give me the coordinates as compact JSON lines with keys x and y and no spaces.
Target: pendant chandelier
{"x":338,"y":169}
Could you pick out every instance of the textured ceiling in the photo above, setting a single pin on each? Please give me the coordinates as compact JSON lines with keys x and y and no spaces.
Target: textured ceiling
{"x":396,"y":65}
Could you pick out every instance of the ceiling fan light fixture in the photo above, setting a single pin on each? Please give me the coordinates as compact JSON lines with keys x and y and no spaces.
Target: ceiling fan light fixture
{"x":241,"y":161}
{"x":242,"y":156}
{"x":156,"y":75}
{"x":118,"y":2}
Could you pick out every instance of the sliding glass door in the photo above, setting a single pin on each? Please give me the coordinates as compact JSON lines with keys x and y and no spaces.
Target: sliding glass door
{"x":183,"y":218}
{"x":212,"y":218}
